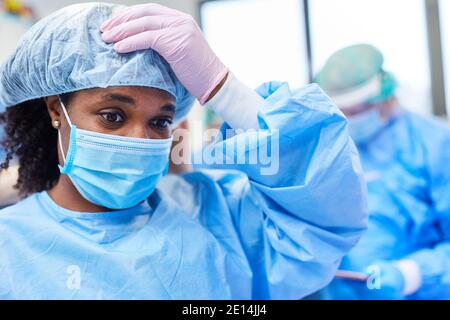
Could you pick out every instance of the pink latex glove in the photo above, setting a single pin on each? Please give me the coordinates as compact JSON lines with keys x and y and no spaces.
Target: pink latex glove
{"x":175,"y":36}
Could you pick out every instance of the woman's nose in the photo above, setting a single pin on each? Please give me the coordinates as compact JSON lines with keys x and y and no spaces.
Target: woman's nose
{"x":140,"y":132}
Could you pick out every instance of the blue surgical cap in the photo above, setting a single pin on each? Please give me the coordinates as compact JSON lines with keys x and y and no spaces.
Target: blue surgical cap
{"x":64,"y":53}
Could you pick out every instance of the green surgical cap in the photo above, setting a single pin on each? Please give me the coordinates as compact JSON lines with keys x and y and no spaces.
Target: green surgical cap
{"x":355,"y":75}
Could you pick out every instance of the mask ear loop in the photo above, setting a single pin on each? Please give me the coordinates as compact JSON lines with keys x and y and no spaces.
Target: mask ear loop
{"x":59,"y":131}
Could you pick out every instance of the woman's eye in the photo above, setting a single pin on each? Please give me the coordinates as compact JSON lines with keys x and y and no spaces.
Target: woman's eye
{"x":161,"y":123}
{"x":113,"y":117}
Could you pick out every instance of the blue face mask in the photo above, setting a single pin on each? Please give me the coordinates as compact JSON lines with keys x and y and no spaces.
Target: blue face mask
{"x":364,"y":126}
{"x":113,"y":171}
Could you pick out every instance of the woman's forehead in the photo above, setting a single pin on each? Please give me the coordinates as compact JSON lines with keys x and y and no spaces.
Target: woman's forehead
{"x":125,"y":94}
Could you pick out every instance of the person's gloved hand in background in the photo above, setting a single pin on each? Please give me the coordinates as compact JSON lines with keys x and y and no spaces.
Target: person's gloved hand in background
{"x":176,"y":37}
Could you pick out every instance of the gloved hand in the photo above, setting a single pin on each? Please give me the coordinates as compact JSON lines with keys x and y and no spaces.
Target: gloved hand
{"x":391,"y":283}
{"x":175,"y":36}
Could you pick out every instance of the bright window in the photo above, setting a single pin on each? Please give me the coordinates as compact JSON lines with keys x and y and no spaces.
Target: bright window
{"x":444,"y":6}
{"x":260,"y":40}
{"x":397,"y":27}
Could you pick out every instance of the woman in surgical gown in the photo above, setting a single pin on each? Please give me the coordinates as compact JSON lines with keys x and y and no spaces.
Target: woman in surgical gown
{"x":90,"y":128}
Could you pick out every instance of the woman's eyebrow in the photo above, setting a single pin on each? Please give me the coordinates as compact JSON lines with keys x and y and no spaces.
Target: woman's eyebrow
{"x":118,"y":97}
{"x":168,"y":108}
{"x":129,"y":100}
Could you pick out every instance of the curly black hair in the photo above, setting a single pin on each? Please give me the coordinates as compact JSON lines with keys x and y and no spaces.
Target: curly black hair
{"x":31,"y":139}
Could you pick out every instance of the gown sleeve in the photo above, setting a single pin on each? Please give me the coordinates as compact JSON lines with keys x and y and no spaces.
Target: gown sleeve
{"x":298,"y":211}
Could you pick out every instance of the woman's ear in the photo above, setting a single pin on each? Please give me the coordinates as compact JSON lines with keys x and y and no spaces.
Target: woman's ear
{"x":54,"y":110}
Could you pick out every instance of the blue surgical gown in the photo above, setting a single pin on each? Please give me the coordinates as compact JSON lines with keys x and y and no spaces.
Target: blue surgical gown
{"x":214,"y":234}
{"x":408,"y":176}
